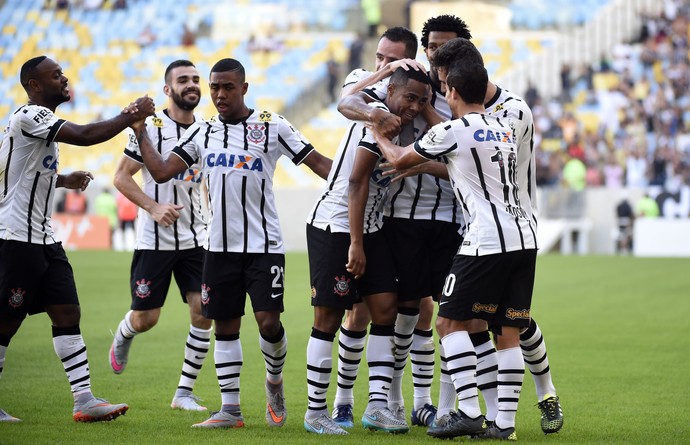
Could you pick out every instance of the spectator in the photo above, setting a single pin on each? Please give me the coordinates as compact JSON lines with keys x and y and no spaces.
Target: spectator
{"x":626,"y":219}
{"x":355,"y":57}
{"x":333,"y":73}
{"x":75,"y":202}
{"x":372,"y":14}
{"x":574,"y":174}
{"x":126,"y":215}
{"x":647,"y":207}
{"x":531,"y":95}
{"x":106,"y":205}
{"x":188,"y":37}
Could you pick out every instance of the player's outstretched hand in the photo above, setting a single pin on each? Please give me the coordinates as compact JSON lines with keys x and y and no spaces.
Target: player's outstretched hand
{"x":389,"y":170}
{"x":77,"y":180}
{"x":144,"y":107}
{"x":406,"y":64}
{"x":166,"y":214}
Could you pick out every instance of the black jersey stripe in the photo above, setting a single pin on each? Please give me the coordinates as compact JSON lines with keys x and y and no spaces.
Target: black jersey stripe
{"x":264,"y":222}
{"x":417,"y":192}
{"x":53,"y":131}
{"x":494,"y":211}
{"x":439,"y":194}
{"x":225,"y":135}
{"x":245,"y":216}
{"x":395,"y":197}
{"x":192,"y":217}
{"x":286,"y":146}
{"x":32,"y":198}
{"x":7,"y":168}
{"x":267,"y":136}
{"x":45,"y":211}
{"x":224,"y":212}
{"x":246,"y":134}
{"x":176,"y":233}
{"x":182,"y":142}
{"x":156,"y":197}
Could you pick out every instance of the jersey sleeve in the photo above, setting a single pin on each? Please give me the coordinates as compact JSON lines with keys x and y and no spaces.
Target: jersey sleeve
{"x":132,"y":149}
{"x":186,"y":147}
{"x":379,"y":90}
{"x":39,"y":122}
{"x":355,"y":76}
{"x":291,"y":143}
{"x":437,"y":142}
{"x":368,"y":142}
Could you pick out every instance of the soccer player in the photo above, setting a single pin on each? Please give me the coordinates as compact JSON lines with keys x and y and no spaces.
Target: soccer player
{"x":423,"y":225}
{"x":35,"y":275}
{"x":238,"y":150}
{"x":504,"y":104}
{"x":492,"y":276}
{"x":171,"y":234}
{"x":349,"y":260}
{"x":396,"y":48}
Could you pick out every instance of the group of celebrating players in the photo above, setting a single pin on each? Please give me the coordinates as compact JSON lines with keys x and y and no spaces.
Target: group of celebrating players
{"x":430,"y":197}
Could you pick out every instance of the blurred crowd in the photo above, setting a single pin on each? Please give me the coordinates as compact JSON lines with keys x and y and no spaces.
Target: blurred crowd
{"x":638,"y":98}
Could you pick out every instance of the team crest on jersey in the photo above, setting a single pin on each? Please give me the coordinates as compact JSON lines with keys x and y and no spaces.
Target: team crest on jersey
{"x":143,"y":289}
{"x":257,"y":133}
{"x":17,"y":297}
{"x":342,"y":286}
{"x":157,"y":122}
{"x":205,"y":297}
{"x":265,"y":116}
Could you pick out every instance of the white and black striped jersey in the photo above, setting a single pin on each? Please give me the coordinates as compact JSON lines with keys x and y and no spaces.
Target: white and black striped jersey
{"x":422,"y":196}
{"x":507,"y":105}
{"x":484,"y":169}
{"x":355,"y":76}
{"x":238,"y":160}
{"x":189,"y":230}
{"x":28,"y":175}
{"x":331,"y":210}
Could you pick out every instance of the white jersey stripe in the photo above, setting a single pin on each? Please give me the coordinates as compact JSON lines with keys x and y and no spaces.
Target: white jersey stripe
{"x":487,"y":196}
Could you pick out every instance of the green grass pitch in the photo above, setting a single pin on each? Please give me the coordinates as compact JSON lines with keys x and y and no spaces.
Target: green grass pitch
{"x":617,"y":330}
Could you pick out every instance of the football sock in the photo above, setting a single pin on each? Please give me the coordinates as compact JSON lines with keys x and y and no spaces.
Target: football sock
{"x":422,"y":359}
{"x":274,"y":350}
{"x":534,"y":353}
{"x":381,"y":360}
{"x":319,"y":367}
{"x":487,"y":371}
{"x":447,"y":397}
{"x":125,"y":331}
{"x":4,"y":343}
{"x":195,"y":352}
{"x":404,"y":326}
{"x":70,"y":348}
{"x":511,"y":371}
{"x":350,"y":349}
{"x":227,"y":355}
{"x":462,"y":365}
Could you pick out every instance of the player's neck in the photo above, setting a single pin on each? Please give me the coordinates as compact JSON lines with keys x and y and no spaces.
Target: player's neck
{"x":181,"y":116}
{"x":491,"y":89}
{"x":464,"y":108}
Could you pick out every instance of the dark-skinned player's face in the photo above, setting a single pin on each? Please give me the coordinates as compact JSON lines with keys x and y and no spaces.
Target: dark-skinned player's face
{"x":227,"y":93}
{"x":408,"y":100}
{"x":52,"y":83}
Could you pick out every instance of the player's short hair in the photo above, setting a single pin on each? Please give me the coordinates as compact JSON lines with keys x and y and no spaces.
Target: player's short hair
{"x":28,"y":70}
{"x":469,"y":80}
{"x":400,"y":76}
{"x":459,"y":50}
{"x":173,"y":65}
{"x":444,"y":23}
{"x":228,"y":64}
{"x":404,"y":35}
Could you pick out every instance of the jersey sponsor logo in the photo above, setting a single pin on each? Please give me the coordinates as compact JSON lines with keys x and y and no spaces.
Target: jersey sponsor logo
{"x":256,"y":133}
{"x":50,"y":162}
{"x":342,"y":286}
{"x":517,"y":212}
{"x":42,"y":116}
{"x":274,"y":296}
{"x":189,"y":175}
{"x":143,"y":289}
{"x":265,"y":116}
{"x":495,"y":136}
{"x":17,"y":297}
{"x":517,"y":313}
{"x":205,"y":297}
{"x":378,"y":178}
{"x":489,"y":308}
{"x":241,"y":162}
{"x":157,"y":122}
{"x":498,"y":108}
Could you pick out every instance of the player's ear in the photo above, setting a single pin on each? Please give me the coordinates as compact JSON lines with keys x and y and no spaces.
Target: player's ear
{"x":245,"y":87}
{"x":166,"y":89}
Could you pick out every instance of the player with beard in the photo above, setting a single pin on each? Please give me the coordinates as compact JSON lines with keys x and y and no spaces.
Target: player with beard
{"x":171,"y":231}
{"x":35,"y":274}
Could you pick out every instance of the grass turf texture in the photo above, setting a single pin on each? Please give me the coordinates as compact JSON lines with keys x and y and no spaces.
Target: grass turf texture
{"x":616,"y":329}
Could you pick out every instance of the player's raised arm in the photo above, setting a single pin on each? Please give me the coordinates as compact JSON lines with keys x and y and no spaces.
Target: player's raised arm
{"x":102,"y":131}
{"x":161,"y":170}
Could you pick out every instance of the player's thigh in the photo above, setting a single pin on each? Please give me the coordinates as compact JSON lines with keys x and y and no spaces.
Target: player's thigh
{"x":150,"y":276}
{"x":264,"y":276}
{"x":380,"y":275}
{"x":187,"y":271}
{"x":408,"y":242}
{"x":223,"y":290}
{"x":332,"y":285}
{"x":516,"y":302}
